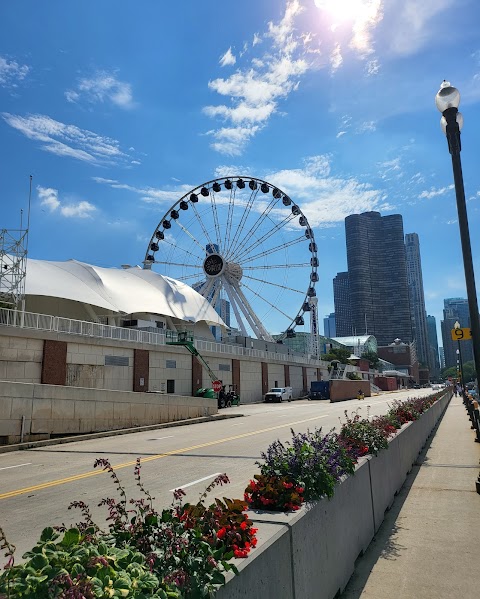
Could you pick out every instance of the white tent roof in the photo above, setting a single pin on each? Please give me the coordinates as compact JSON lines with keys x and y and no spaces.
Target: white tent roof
{"x":128,"y":291}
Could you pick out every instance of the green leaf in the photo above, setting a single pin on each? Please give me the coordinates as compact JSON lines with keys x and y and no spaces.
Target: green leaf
{"x":71,"y":537}
{"x":38,"y":562}
{"x":48,"y":534}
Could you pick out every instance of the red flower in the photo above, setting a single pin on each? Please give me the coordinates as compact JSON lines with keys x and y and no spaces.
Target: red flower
{"x":299,"y":489}
{"x":288,"y":485}
{"x":221,"y":533}
{"x":244,"y":525}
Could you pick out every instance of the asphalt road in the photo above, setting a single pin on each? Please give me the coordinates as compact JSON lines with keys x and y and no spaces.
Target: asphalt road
{"x":37,"y":485}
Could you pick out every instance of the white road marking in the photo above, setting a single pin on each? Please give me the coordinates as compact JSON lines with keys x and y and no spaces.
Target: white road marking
{"x":17,"y":466}
{"x":194,"y":482}
{"x":159,"y":438}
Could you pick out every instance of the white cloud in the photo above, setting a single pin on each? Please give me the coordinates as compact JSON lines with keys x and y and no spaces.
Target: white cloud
{"x":225,"y":170}
{"x":49,"y":198}
{"x":149,"y":195}
{"x":11,"y":72}
{"x":366,"y":21}
{"x":254,"y":91}
{"x":336,"y":59}
{"x":413,"y":24}
{"x":325,"y":199}
{"x":373,"y":67}
{"x":227,"y":59}
{"x":436,"y":192}
{"x":67,"y":140}
{"x":103,"y":86}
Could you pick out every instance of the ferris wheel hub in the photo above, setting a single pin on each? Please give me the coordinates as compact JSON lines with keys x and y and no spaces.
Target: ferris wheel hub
{"x":214,"y":266}
{"x":233,"y":272}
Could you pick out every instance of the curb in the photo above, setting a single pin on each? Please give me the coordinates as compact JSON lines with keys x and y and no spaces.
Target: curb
{"x":121,"y":431}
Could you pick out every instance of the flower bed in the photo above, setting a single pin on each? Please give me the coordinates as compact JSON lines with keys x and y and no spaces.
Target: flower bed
{"x":185,"y":551}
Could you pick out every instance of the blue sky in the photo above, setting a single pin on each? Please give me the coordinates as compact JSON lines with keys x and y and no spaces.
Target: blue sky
{"x":118,"y":108}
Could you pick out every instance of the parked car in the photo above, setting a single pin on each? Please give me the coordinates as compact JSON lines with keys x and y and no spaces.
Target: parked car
{"x":416,"y":386}
{"x":278,"y":394}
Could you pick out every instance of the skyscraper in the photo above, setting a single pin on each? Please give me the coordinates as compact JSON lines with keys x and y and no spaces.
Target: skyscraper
{"x":329,"y":328}
{"x":433,"y":344}
{"x":455,"y":309}
{"x":377,"y":273}
{"x":341,"y":299}
{"x":417,"y":297}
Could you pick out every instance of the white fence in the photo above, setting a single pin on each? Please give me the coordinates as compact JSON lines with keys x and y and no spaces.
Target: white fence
{"x":45,"y":322}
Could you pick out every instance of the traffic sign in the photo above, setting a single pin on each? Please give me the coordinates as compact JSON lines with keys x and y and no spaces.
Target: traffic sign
{"x":461,"y":334}
{"x":217,"y":386}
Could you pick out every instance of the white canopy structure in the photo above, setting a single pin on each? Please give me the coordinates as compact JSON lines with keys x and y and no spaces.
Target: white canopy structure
{"x":113,"y":291}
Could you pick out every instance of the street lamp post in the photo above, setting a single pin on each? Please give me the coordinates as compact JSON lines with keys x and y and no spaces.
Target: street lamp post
{"x":447,"y":101}
{"x":459,"y":357}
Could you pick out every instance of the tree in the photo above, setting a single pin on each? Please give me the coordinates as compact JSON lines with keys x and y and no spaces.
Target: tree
{"x":337,"y":353}
{"x":468,"y":373}
{"x":372,"y":358}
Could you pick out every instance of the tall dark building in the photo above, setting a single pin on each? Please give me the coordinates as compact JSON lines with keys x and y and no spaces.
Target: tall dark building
{"x":417,"y":298}
{"x":377,"y":272}
{"x":455,"y":309}
{"x":341,"y":299}
{"x":433,"y":344}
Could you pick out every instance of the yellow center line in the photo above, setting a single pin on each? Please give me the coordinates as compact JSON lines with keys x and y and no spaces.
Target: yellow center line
{"x":75,"y":477}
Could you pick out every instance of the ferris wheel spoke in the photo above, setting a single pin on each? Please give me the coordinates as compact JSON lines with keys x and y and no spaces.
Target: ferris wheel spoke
{"x":273,"y":284}
{"x":192,"y":237}
{"x":202,"y":225}
{"x":167,"y":263}
{"x":242,"y":222}
{"x":206,"y":289}
{"x":265,"y":236}
{"x":228,"y":230}
{"x":236,"y":251}
{"x":177,"y":247}
{"x":197,"y":275}
{"x":267,"y":302}
{"x":274,"y":266}
{"x":236,"y":310}
{"x":272,"y":250}
{"x":215,"y":220}
{"x":250,"y":315}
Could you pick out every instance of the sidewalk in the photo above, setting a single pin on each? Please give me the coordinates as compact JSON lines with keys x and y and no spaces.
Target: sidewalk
{"x":428,"y":546}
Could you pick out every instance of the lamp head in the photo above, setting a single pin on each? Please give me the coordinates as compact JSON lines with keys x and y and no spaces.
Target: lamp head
{"x":447,"y":97}
{"x":456,"y":325}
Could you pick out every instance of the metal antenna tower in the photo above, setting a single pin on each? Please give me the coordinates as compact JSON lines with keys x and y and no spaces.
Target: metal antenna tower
{"x":13,"y":262}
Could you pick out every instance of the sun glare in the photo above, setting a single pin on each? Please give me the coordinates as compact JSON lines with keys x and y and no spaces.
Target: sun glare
{"x":343,"y":10}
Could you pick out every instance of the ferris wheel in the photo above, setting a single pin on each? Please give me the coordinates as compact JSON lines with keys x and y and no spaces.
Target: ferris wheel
{"x":244,"y":245}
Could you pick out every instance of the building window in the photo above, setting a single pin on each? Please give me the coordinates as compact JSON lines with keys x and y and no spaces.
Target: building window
{"x":276,"y":384}
{"x":170,"y":386}
{"x":116,"y":361}
{"x":225,"y":367}
{"x":170,"y":363}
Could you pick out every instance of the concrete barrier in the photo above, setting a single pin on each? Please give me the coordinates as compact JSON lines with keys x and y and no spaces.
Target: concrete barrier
{"x":310,"y":554}
{"x":32,"y":412}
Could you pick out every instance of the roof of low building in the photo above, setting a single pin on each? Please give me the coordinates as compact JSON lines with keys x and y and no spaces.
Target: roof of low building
{"x":118,"y":290}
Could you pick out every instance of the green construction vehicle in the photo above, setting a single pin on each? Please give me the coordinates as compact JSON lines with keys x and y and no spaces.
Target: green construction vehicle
{"x":224,"y":398}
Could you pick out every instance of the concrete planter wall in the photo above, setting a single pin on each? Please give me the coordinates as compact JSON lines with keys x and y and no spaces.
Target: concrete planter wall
{"x":310,"y":554}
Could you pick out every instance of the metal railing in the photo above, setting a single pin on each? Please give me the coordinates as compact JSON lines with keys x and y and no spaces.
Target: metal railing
{"x":84,"y":328}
